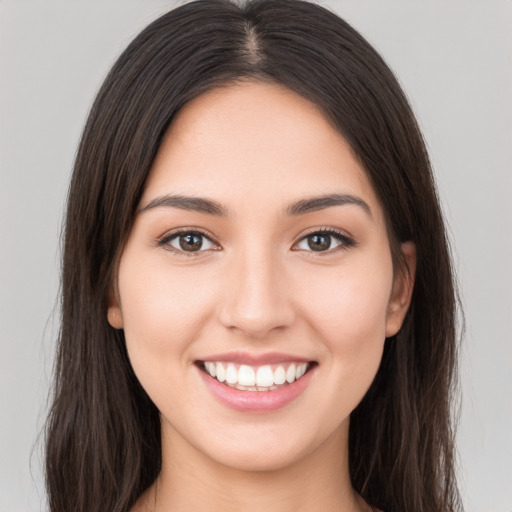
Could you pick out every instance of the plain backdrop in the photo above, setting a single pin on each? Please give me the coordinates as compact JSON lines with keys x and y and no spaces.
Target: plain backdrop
{"x":454,"y":61}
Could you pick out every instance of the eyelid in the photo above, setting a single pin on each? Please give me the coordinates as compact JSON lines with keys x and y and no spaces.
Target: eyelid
{"x":164,"y":241}
{"x":346,"y":240}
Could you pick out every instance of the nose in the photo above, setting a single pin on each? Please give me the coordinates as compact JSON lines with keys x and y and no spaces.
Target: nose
{"x":257,"y":300}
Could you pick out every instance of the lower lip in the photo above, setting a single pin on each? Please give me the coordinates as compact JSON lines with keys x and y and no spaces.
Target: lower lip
{"x":256,"y":401}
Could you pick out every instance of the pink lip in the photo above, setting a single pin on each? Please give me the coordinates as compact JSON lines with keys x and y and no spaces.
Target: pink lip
{"x":256,"y":359}
{"x":256,"y":401}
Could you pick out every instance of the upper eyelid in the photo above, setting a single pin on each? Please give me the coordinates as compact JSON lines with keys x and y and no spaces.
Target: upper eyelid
{"x":181,"y":231}
{"x":326,"y":230}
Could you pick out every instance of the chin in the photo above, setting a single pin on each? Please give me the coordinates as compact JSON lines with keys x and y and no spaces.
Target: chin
{"x":250,"y":460}
{"x":274,"y":449}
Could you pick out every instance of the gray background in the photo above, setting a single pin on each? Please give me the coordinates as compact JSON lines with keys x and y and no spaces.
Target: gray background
{"x":454,"y":60}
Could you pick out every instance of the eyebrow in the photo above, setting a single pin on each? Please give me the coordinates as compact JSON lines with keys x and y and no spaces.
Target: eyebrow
{"x":195,"y":204}
{"x":210,"y":207}
{"x":316,"y":203}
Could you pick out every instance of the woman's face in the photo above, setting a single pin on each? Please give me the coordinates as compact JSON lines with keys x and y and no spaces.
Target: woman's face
{"x":259,"y":252}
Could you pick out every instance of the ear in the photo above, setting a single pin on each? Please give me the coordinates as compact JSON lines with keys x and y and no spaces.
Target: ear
{"x":401,"y":294}
{"x":114,"y":314}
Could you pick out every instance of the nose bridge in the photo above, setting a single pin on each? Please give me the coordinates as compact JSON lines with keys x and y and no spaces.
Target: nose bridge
{"x":257,"y":300}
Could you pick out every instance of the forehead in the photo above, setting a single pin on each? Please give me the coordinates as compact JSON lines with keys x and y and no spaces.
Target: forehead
{"x":255,"y":142}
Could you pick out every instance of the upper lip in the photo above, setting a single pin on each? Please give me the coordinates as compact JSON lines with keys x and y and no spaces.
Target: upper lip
{"x":255,"y":359}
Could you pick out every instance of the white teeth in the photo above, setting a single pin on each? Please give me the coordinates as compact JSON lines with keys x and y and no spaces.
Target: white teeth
{"x":279,"y":375}
{"x":210,"y":368}
{"x":231,"y":374}
{"x":220,"y":372}
{"x":290,"y":374}
{"x":246,"y":376}
{"x":301,"y":370}
{"x":249,"y":378}
{"x":265,"y":377}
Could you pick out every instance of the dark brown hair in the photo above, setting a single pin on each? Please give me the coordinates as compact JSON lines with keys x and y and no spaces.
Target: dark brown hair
{"x":103,"y":431}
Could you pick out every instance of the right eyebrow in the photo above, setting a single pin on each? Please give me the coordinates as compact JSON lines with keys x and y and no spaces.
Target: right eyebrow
{"x":316,"y":203}
{"x":195,"y":204}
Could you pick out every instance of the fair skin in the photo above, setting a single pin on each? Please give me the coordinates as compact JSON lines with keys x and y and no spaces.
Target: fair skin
{"x":260,"y":278}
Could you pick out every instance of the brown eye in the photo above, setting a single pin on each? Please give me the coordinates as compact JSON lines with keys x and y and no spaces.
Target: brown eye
{"x":325,"y":241}
{"x":187,"y":241}
{"x":190,"y":242}
{"x":319,"y":242}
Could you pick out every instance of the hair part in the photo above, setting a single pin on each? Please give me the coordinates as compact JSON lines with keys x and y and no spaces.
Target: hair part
{"x":103,"y":431}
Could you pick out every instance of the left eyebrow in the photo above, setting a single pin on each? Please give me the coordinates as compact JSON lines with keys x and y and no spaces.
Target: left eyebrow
{"x":316,"y":203}
{"x":196,"y":204}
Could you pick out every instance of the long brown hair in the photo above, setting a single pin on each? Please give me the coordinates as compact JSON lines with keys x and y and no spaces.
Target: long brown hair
{"x":103,"y":431}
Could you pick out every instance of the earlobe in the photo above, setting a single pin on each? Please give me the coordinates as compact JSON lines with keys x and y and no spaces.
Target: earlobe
{"x":401,"y":294}
{"x":114,"y":314}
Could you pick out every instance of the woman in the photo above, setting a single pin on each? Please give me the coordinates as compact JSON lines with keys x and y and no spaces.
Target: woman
{"x":258,"y":303}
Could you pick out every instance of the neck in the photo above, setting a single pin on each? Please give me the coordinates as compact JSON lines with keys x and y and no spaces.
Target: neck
{"x":190,"y":480}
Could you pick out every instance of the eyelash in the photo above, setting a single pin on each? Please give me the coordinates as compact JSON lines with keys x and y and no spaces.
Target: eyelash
{"x":345,"y":241}
{"x":166,"y":240}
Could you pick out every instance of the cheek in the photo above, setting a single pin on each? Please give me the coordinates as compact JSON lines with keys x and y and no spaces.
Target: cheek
{"x":347,"y":309}
{"x":163,"y":309}
{"x":348,"y":314}
{"x":352,"y":302}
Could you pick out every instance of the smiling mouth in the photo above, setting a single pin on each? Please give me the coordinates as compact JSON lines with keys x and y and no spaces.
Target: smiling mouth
{"x":256,"y":378}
